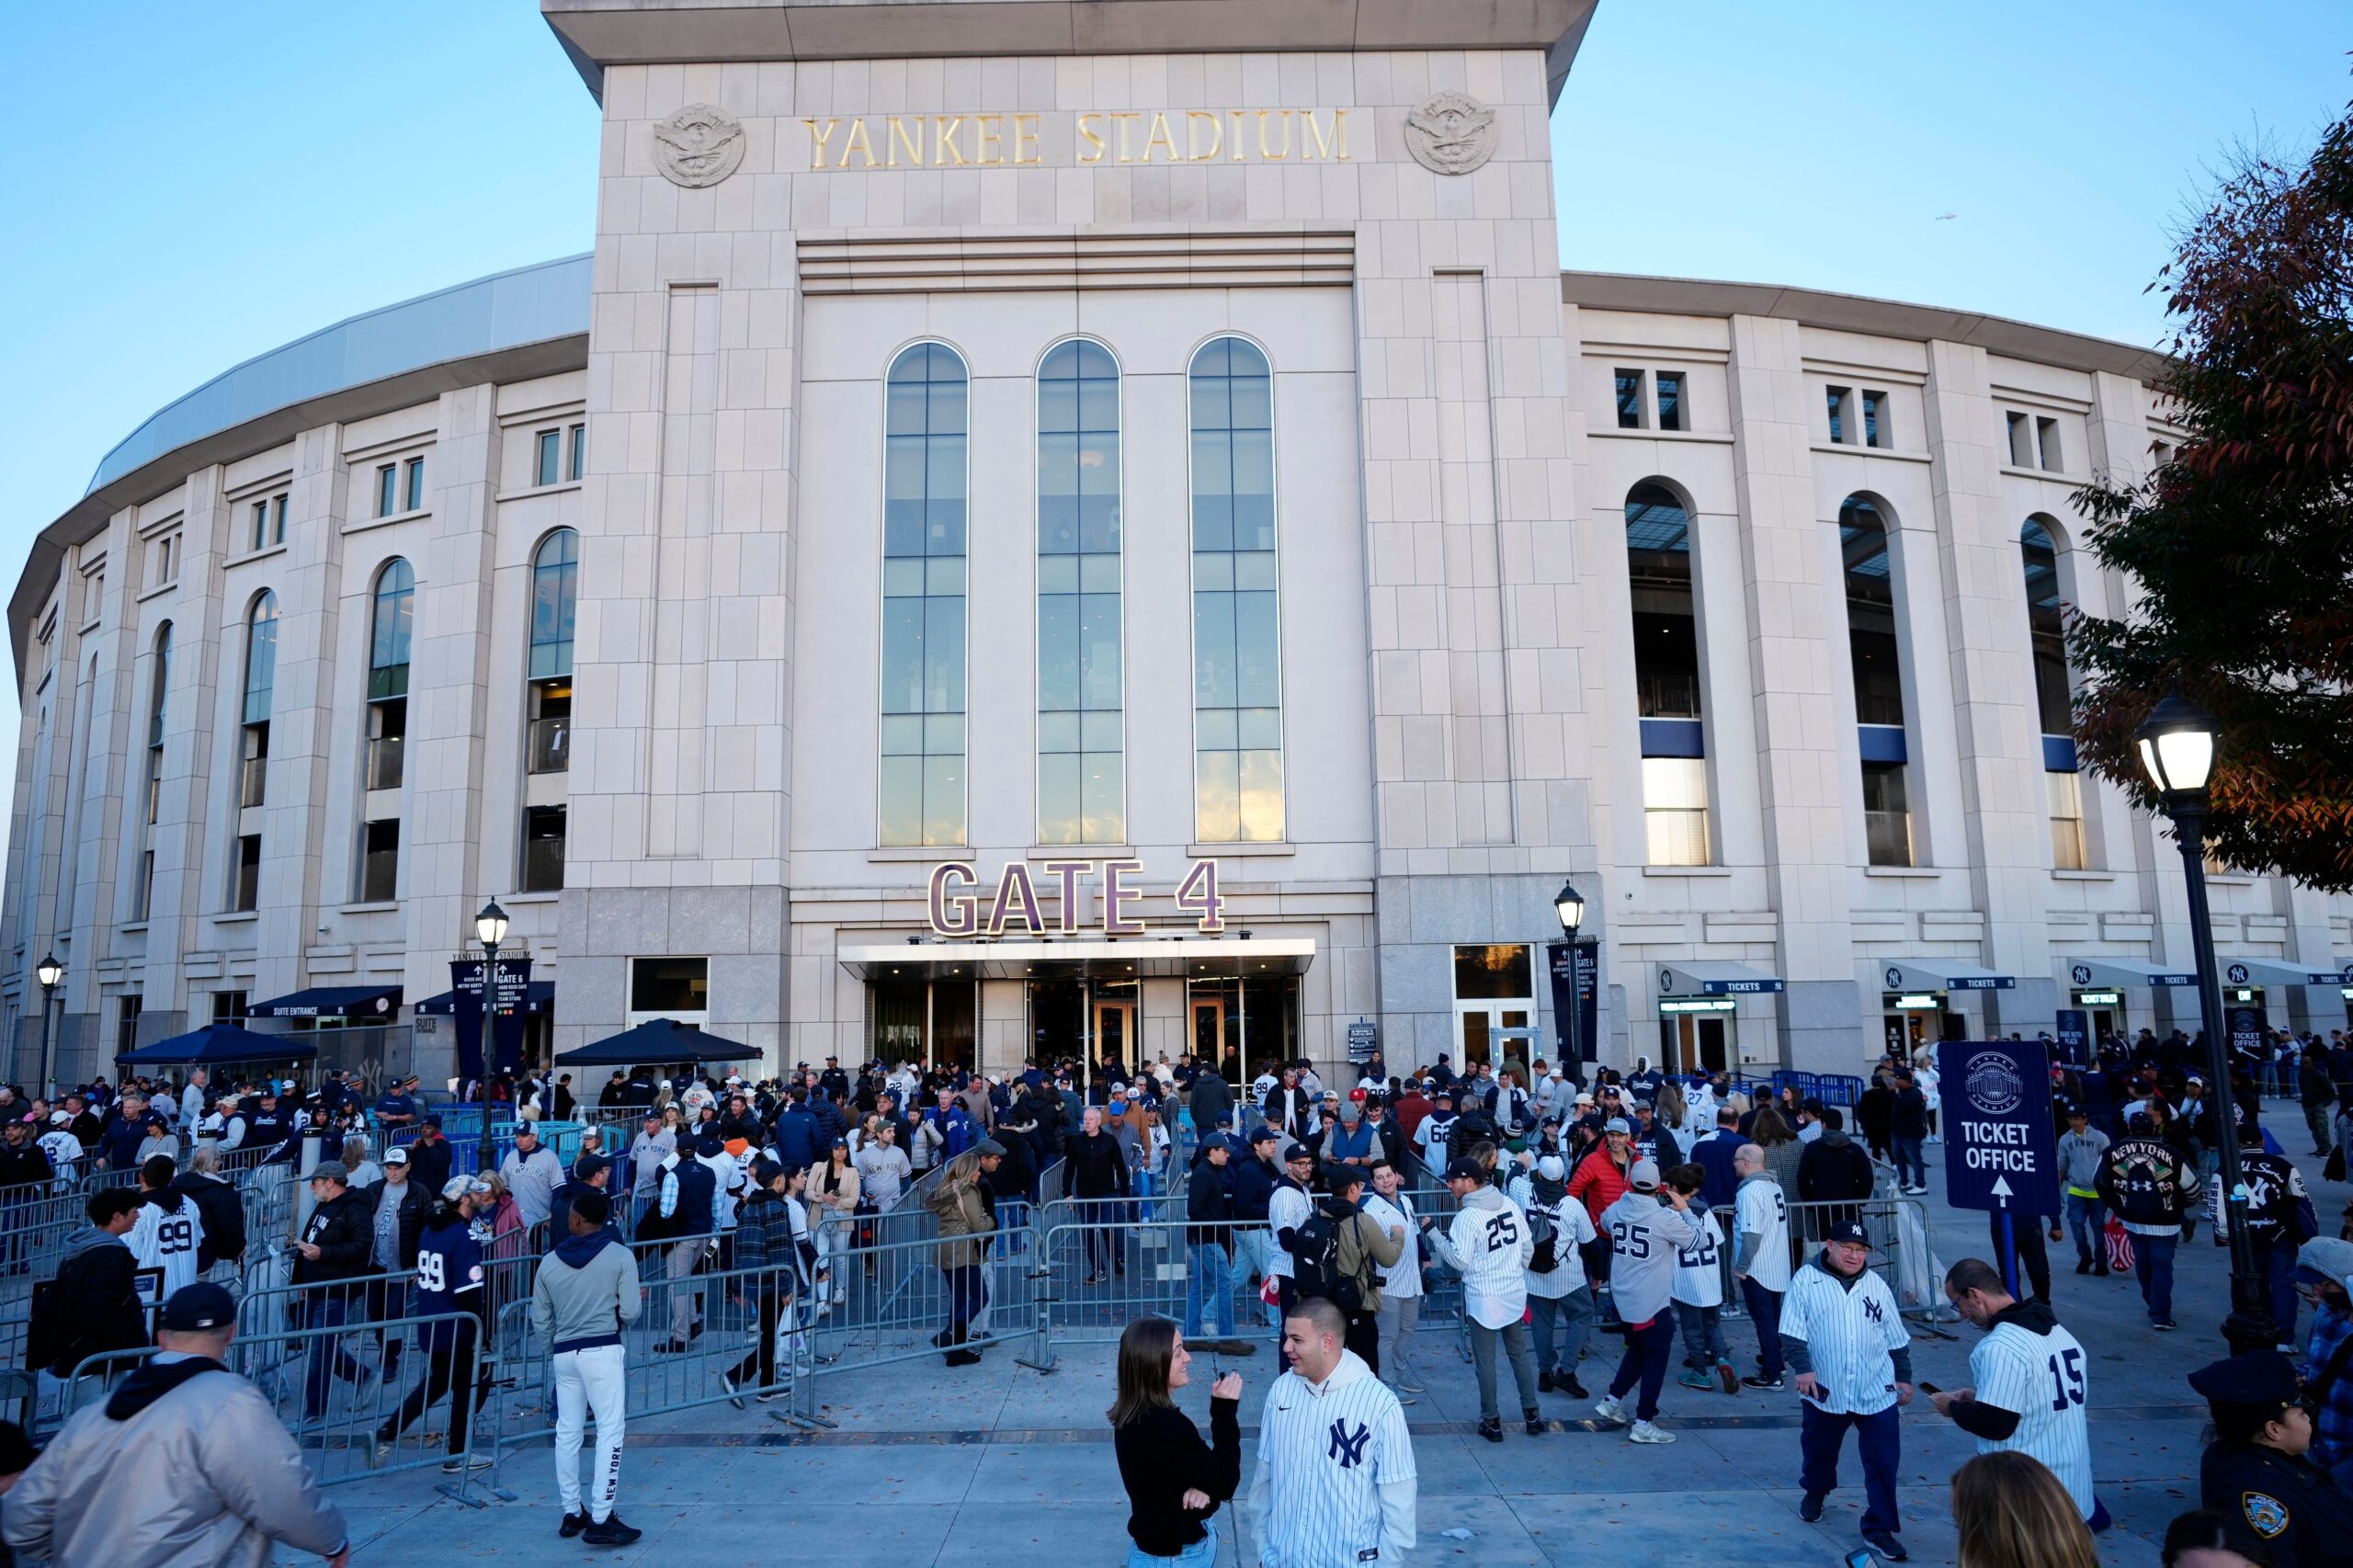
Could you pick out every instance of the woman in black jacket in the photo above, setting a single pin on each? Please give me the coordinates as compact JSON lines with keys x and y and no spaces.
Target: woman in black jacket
{"x":1175,"y":1481}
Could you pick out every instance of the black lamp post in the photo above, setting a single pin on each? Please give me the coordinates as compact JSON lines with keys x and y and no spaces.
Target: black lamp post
{"x":2177,"y":752}
{"x":490,"y":926}
{"x":1570,"y":908}
{"x":49,"y":971}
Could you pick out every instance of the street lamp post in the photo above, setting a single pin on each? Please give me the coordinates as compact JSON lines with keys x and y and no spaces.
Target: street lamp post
{"x":2177,"y":752}
{"x":1570,"y":908}
{"x":490,"y":925}
{"x":49,"y":971}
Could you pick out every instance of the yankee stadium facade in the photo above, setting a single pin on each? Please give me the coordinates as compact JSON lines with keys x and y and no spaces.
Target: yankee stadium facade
{"x":1050,"y":527}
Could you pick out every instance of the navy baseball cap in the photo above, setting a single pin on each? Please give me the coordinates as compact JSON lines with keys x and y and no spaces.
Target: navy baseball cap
{"x":1848,"y":1231}
{"x":1265,"y":1135}
{"x":1465,"y":1168}
{"x":194,"y":1308}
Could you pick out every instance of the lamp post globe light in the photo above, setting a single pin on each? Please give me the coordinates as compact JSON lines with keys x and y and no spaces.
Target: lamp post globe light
{"x":2176,"y":745}
{"x":1570,"y":908}
{"x":49,"y":971}
{"x":490,"y":926}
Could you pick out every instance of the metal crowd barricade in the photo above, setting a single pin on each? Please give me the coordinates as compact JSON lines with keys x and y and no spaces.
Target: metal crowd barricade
{"x":270,"y":1305}
{"x":897,"y":1302}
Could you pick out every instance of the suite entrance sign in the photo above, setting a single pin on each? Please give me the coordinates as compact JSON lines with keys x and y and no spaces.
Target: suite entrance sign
{"x":955,"y":903}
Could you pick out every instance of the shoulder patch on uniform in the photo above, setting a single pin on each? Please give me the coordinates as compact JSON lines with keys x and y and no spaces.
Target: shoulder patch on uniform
{"x":2264,"y":1512}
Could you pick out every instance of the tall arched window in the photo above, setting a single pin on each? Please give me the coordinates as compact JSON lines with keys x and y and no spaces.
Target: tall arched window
{"x":2046,"y":633}
{"x":1081,"y":749}
{"x":1878,"y":668}
{"x":921,"y":788}
{"x":391,"y":618}
{"x":1666,"y":677}
{"x":261,"y":658}
{"x":144,"y":892}
{"x":1237,"y":653}
{"x":555,"y":589}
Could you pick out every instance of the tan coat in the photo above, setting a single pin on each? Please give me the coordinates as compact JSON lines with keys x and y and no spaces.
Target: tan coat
{"x":963,"y":1215}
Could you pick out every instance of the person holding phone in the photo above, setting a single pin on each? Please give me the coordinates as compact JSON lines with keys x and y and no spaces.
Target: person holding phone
{"x":1175,"y":1481}
{"x":1845,"y":1339}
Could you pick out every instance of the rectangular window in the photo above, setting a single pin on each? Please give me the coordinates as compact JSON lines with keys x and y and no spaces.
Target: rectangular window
{"x":1081,"y":700}
{"x":669,"y":985}
{"x":228,"y":1006}
{"x":1629,"y":400}
{"x":1887,"y":814}
{"x":920,"y":795}
{"x":2066,"y":795}
{"x":2160,"y":454}
{"x":551,"y":457}
{"x":163,"y":560}
{"x":260,"y":533}
{"x":387,"y":489}
{"x":253,"y":766}
{"x":379,"y":862}
{"x":415,"y":484}
{"x":1836,"y":397}
{"x":387,"y":744}
{"x":1497,"y":971}
{"x":1238,"y":661}
{"x":278,"y":519}
{"x":2046,"y":437}
{"x":1674,"y":810}
{"x":549,"y":750}
{"x":145,"y":902}
{"x":543,"y":829}
{"x":1670,"y":399}
{"x":126,"y":1027}
{"x":579,"y":452}
{"x":2022,"y":441}
{"x":245,"y":895}
{"x":1875,"y":430}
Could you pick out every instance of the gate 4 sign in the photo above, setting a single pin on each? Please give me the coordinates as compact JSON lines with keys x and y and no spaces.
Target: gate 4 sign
{"x":1999,"y":1149}
{"x":956,"y":905}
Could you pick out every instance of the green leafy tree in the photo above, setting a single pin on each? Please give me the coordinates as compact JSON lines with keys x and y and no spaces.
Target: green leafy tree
{"x":2242,"y":544}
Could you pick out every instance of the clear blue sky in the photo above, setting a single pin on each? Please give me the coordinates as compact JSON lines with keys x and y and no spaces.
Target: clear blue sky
{"x":191,"y":184}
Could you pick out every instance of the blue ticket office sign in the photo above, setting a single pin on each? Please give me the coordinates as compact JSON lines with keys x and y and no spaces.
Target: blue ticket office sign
{"x":2001,"y":1155}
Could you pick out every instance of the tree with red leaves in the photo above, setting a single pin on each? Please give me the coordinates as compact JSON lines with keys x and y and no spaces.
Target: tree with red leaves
{"x":2242,"y":544}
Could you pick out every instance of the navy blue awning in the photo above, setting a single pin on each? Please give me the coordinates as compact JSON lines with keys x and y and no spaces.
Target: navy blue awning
{"x":219,"y":1043}
{"x":375,"y":1003}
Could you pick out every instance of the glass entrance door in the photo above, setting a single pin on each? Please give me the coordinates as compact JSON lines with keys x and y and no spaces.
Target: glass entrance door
{"x":1115,"y":1032}
{"x":1695,"y":1043}
{"x":1474,"y":1032}
{"x":1208,"y":1034}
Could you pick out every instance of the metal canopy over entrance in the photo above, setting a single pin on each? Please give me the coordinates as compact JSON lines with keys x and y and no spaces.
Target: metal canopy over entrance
{"x":2115,"y":974}
{"x":1138,"y":958}
{"x":1940,"y":974}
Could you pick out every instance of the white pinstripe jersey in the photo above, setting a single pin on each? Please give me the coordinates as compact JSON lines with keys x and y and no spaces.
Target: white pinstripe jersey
{"x":2042,"y":1377}
{"x":1848,"y":1334}
{"x":1328,"y":1453}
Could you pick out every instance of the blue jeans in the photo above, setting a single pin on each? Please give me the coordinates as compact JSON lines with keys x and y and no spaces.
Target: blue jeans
{"x":1820,"y":1437}
{"x":2275,"y":1264}
{"x":327,"y":1359}
{"x":1211,"y":1277}
{"x":2086,"y":1218}
{"x":2152,"y":1265}
{"x":1910,"y":1167}
{"x":1202,"y":1553}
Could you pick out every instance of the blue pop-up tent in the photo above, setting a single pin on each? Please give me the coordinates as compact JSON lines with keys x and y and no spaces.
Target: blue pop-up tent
{"x":216,"y":1045}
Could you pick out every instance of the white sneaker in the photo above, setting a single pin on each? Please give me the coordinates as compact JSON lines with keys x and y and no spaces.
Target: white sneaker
{"x":1611,"y":1409}
{"x":1644,"y":1432}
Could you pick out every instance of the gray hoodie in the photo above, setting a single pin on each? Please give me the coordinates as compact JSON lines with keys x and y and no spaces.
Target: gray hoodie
{"x":1643,"y":1235}
{"x":586,"y":1292}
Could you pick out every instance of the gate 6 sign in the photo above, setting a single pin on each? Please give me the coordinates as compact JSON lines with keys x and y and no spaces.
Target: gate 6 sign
{"x":955,"y":901}
{"x":1999,"y":1152}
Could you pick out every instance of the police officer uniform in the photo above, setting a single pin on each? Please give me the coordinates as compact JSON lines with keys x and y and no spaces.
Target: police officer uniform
{"x":2297,"y":1508}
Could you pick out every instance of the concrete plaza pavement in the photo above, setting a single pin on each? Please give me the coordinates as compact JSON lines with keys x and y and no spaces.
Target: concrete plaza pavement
{"x":1000,"y":1463}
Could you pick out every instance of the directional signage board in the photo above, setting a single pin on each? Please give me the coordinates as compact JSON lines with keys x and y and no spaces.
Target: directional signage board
{"x":2000,"y":1152}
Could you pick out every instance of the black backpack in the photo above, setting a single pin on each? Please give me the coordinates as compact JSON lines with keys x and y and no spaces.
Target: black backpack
{"x":1546,"y":1235}
{"x":1315,"y":1264}
{"x":48,"y":1337}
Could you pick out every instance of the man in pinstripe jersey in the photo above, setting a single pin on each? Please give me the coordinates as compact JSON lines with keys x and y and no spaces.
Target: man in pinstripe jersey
{"x":1335,"y":1485}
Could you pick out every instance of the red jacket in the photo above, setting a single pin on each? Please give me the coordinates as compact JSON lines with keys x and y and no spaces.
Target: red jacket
{"x":1597,"y":1182}
{"x":1411,"y":1109}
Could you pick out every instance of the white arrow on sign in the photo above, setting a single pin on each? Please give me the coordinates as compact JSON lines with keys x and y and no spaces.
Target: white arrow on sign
{"x":2002,"y":1189}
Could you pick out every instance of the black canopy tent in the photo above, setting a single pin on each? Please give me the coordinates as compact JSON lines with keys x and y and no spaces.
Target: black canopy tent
{"x":217,"y":1045}
{"x":658,"y":1042}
